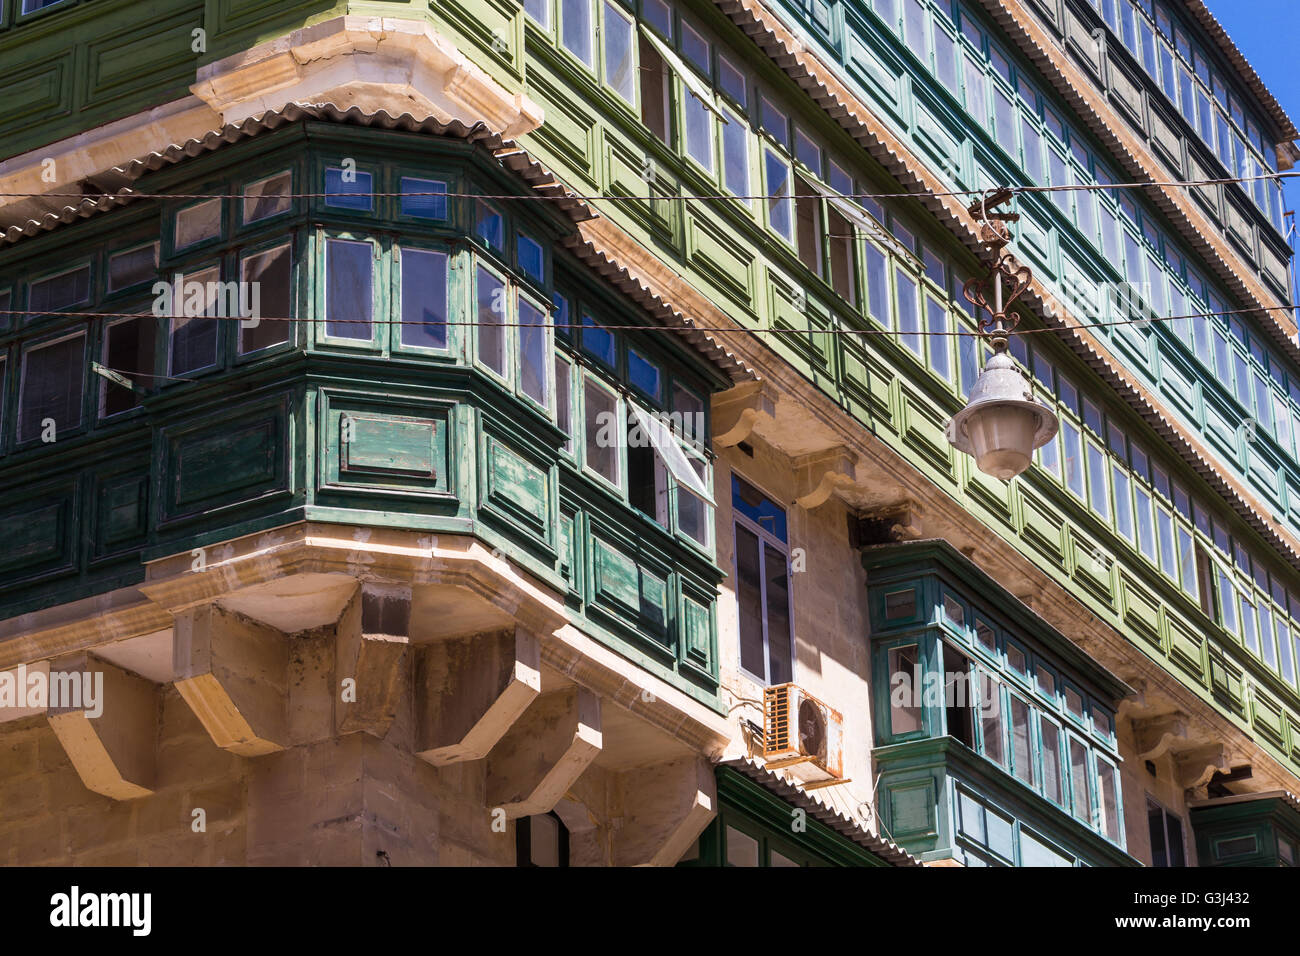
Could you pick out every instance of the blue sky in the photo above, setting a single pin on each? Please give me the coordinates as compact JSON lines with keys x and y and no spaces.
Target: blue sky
{"x":1266,"y":32}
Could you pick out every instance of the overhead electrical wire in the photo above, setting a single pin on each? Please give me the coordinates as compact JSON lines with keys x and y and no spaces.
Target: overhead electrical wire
{"x":1148,"y":320}
{"x":570,"y":197}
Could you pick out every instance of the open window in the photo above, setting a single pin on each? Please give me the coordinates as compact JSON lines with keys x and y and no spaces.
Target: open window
{"x":128,"y":355}
{"x":808,"y":215}
{"x":654,"y":454}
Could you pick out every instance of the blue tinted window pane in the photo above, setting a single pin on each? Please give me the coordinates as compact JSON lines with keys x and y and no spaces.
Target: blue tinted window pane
{"x":489,"y":227}
{"x":909,"y":318}
{"x":560,"y":316}
{"x":424,"y":198}
{"x":350,"y":191}
{"x":349,"y":285}
{"x":599,"y":342}
{"x":643,"y":374}
{"x":878,"y":286}
{"x":424,"y":299}
{"x":757,"y":507}
{"x":531,"y":259}
{"x":780,"y":212}
{"x":940,"y":342}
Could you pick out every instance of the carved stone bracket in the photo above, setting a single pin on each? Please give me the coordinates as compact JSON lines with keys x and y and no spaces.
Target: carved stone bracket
{"x":819,"y":475}
{"x":1157,"y":736}
{"x":1196,"y":766}
{"x":739,"y":409}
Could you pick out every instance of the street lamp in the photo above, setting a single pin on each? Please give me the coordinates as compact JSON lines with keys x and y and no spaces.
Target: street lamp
{"x":1001,"y":424}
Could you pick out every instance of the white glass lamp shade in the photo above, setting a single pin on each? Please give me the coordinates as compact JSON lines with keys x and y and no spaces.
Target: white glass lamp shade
{"x":1001,"y":425}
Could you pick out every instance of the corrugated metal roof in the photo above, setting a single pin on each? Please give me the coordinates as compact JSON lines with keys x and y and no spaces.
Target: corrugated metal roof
{"x":619,"y":277}
{"x":507,"y":152}
{"x":62,"y":215}
{"x":796,"y":64}
{"x":811,"y":804}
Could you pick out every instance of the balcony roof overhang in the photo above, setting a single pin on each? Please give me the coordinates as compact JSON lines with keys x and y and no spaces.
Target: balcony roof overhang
{"x":850,"y":829}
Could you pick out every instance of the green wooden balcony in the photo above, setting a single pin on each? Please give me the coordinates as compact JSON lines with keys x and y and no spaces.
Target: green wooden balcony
{"x":418,"y":360}
{"x":995,"y":735}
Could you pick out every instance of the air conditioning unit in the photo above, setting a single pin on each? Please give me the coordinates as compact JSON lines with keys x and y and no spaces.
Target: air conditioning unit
{"x":802,"y":734}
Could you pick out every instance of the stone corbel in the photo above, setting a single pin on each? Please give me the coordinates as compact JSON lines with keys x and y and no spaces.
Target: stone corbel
{"x":1135,"y":704}
{"x":1156,"y":736}
{"x":107,"y":721}
{"x":545,"y":753}
{"x":671,"y":805}
{"x":1195,"y":767}
{"x":371,"y":639}
{"x":233,"y":673}
{"x":739,"y":409}
{"x":471,"y":691}
{"x":821,"y":474}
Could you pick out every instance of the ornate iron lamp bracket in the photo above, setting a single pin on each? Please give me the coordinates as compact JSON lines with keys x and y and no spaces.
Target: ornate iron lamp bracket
{"x":1007,"y":279}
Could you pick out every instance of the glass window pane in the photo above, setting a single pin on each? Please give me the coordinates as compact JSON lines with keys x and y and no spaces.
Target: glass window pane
{"x":780,"y":212}
{"x":940,"y":343}
{"x":730,"y":80}
{"x":533,"y":350}
{"x":268,"y":197}
{"x":1020,"y":748}
{"x":193,"y":341}
{"x":1123,"y":503}
{"x":268,"y":285}
{"x":1080,"y":798}
{"x":735,"y":158}
{"x":1145,"y":526}
{"x":1053,"y":782}
{"x":749,"y":599}
{"x":53,"y":378}
{"x":1097,"y":483}
{"x":576,"y":29}
{"x":1168,"y":557}
{"x":491,"y":317}
{"x":991,"y":718}
{"x":597,"y":341}
{"x":601,"y":431}
{"x":531,"y":258}
{"x":644,"y":374}
{"x":777,"y":572}
{"x":539,"y":10}
{"x":132,"y":267}
{"x":197,"y":223}
{"x":1107,"y":781}
{"x":128,"y":349}
{"x":424,"y":298}
{"x":904,"y":701}
{"x":564,"y":401}
{"x":909,"y":319}
{"x":349,"y":189}
{"x":349,"y":289}
{"x":489,"y":226}
{"x":1073,"y":450}
{"x":877,"y":285}
{"x":696,"y":49}
{"x":742,"y":849}
{"x":620,"y":63}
